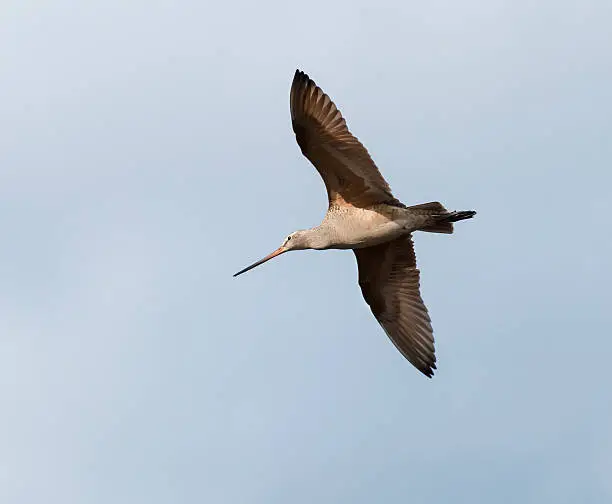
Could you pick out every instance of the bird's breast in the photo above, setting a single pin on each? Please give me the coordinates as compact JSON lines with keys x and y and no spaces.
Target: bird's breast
{"x":360,"y":228}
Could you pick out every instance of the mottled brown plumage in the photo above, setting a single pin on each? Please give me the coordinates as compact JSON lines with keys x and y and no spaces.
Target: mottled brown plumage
{"x":389,"y":281}
{"x":363,"y":215}
{"x":350,"y":175}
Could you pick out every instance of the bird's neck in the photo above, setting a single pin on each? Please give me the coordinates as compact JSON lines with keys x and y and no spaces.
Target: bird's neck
{"x":318,"y":237}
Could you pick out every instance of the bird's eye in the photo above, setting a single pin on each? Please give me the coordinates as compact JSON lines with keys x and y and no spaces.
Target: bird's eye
{"x":288,"y":238}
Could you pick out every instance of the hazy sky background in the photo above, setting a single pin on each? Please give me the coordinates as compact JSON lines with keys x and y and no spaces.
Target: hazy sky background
{"x":146,"y":155}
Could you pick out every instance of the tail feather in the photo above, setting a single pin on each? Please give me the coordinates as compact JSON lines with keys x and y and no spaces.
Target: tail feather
{"x":442,"y":218}
{"x":440,"y":227}
{"x":461,"y":215}
{"x":434,"y":207}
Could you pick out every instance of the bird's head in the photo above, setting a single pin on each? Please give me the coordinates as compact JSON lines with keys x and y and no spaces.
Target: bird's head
{"x":299,"y":240}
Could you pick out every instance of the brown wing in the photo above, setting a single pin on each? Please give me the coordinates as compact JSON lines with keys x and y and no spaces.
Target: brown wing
{"x":389,"y":281}
{"x":350,"y":175}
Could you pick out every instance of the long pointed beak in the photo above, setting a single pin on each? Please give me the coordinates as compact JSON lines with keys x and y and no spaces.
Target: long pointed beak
{"x":277,"y":252}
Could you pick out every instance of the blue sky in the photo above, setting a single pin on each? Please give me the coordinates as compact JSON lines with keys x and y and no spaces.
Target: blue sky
{"x":146,"y":155}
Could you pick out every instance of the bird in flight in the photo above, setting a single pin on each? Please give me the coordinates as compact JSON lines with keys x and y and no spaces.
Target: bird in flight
{"x":363,"y":215}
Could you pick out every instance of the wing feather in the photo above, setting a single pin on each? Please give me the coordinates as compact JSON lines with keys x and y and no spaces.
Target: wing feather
{"x":349,"y":174}
{"x":389,"y":281}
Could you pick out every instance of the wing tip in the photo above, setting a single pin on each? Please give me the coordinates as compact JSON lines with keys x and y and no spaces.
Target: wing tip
{"x":301,"y":78}
{"x":429,"y":371}
{"x":426,"y":366}
{"x":303,"y":94}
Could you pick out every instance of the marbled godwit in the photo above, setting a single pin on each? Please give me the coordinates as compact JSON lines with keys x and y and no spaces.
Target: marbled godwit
{"x":364,"y":216}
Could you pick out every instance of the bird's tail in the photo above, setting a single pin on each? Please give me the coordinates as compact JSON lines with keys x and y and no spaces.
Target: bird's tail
{"x":441,"y":217}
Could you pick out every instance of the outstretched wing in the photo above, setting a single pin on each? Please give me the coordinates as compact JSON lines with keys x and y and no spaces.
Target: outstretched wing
{"x":350,"y":175}
{"x":389,"y":281}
